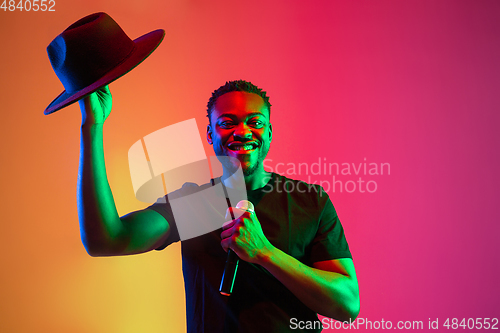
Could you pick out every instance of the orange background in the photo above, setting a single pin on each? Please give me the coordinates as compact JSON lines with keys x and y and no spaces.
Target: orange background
{"x":410,"y":83}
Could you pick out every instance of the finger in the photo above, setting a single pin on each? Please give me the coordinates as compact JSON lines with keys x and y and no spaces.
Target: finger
{"x":228,"y":224}
{"x":225,"y":244}
{"x":226,"y":233}
{"x":103,"y":91}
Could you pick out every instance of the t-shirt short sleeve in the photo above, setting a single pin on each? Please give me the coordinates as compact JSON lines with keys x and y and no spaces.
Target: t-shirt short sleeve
{"x":329,"y":242}
{"x":162,"y":206}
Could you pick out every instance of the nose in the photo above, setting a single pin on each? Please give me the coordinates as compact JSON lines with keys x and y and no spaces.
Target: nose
{"x":242,"y":131}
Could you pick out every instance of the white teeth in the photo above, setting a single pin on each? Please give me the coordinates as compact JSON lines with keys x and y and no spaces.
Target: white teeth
{"x":246,"y":147}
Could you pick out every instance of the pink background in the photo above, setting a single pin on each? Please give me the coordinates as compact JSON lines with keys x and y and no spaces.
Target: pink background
{"x":410,"y":83}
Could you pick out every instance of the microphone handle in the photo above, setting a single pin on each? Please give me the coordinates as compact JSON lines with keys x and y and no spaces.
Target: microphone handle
{"x":231,"y":266}
{"x":227,"y":282}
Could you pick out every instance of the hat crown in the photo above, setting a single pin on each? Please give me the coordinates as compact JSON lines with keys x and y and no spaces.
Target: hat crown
{"x":87,"y":50}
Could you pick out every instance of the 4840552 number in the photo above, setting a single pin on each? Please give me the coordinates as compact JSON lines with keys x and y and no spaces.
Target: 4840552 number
{"x":471,"y":323}
{"x":28,"y":5}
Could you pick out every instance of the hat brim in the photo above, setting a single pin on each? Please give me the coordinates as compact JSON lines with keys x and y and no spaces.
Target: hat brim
{"x":144,"y":46}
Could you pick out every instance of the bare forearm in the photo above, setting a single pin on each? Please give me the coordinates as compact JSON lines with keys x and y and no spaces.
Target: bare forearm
{"x":99,"y":220}
{"x":330,"y":294}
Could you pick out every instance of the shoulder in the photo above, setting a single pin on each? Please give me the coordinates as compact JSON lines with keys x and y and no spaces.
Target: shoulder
{"x":186,"y":189}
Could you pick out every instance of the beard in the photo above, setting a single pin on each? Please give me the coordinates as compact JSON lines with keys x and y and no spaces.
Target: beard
{"x":263,"y":149}
{"x":232,"y":164}
{"x":250,"y":170}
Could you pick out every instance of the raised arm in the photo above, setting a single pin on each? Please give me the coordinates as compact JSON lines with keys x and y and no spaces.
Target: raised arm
{"x":102,"y":231}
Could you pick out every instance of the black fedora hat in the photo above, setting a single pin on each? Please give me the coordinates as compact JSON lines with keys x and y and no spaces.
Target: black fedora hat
{"x":93,"y":52}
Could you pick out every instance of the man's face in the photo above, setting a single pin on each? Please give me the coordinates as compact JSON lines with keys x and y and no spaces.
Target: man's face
{"x":240,"y":128}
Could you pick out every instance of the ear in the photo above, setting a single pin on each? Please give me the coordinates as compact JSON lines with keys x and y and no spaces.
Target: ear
{"x":270,"y":133}
{"x":209,"y":134}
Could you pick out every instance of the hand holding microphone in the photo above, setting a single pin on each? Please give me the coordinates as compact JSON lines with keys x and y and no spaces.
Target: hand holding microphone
{"x":241,"y":237}
{"x":227,"y":282}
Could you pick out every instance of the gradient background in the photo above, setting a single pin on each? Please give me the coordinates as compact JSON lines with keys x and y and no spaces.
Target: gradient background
{"x":410,"y":83}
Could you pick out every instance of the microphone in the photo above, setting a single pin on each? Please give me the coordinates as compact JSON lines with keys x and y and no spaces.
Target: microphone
{"x":227,"y":282}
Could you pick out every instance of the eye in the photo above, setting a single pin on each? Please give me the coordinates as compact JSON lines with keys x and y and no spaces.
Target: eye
{"x":226,"y":124}
{"x":256,"y":123}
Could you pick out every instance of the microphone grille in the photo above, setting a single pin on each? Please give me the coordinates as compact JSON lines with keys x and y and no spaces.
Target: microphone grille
{"x":245,"y":205}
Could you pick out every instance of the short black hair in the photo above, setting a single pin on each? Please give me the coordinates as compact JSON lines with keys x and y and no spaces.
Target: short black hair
{"x":237,"y":85}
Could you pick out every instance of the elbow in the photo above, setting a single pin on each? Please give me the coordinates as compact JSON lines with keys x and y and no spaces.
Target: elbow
{"x":93,"y":250}
{"x":89,"y":245}
{"x":346,"y":310}
{"x":351,"y":305}
{"x":347,"y":313}
{"x":96,"y":248}
{"x":353,"y":310}
{"x":100,"y":251}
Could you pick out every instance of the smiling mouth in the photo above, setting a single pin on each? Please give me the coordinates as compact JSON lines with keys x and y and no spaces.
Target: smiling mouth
{"x":242,"y":146}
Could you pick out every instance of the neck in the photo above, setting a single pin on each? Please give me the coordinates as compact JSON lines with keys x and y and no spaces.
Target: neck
{"x":258,"y":179}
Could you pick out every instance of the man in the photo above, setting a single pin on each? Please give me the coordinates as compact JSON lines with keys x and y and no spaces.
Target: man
{"x":295,"y":261}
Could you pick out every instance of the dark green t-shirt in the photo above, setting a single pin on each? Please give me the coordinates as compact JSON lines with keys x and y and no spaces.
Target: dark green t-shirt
{"x":297,"y":218}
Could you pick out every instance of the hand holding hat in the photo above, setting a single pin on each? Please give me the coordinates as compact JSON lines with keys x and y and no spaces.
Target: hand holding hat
{"x":93,"y":52}
{"x":96,"y":107}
